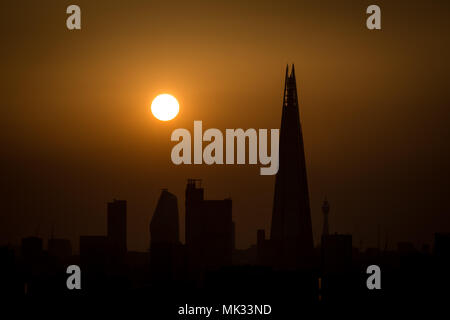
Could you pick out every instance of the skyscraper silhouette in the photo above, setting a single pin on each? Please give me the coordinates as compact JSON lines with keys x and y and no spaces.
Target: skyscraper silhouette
{"x":209,"y":229}
{"x":291,"y":230}
{"x":165,"y":246}
{"x":164,"y":227}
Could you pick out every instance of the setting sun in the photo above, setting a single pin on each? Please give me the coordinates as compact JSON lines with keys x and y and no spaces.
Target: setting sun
{"x":165,"y":107}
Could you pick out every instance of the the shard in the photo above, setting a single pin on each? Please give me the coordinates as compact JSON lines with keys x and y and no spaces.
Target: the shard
{"x":291,"y":230}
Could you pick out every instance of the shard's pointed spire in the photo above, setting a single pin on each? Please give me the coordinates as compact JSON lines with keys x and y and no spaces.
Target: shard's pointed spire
{"x":291,"y":230}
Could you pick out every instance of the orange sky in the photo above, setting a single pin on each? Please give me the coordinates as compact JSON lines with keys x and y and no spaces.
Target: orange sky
{"x":77,"y":131}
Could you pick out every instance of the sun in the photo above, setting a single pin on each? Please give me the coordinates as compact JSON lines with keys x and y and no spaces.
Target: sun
{"x":165,"y":107}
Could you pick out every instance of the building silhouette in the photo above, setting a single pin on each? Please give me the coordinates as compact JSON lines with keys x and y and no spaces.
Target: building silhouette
{"x":209,"y":267}
{"x":209,"y":229}
{"x":167,"y":255}
{"x":291,"y":230}
{"x":164,"y":226}
{"x":105,"y":256}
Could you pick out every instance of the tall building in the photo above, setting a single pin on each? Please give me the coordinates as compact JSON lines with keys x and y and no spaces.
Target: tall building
{"x":291,"y":230}
{"x":117,"y":226}
{"x":164,"y":227}
{"x":209,"y":229}
{"x":166,"y":252}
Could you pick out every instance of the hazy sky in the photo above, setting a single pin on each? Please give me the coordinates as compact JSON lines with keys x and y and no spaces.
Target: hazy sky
{"x":76,"y":127}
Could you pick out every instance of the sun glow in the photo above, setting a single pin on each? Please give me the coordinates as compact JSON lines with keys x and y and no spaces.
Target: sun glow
{"x":165,"y":107}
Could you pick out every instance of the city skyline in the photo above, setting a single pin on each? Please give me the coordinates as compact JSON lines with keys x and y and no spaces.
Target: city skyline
{"x":77,"y":130}
{"x":291,"y":237}
{"x":208,"y":264}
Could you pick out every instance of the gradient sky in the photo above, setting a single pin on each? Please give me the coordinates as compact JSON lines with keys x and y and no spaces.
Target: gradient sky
{"x":76,"y":127}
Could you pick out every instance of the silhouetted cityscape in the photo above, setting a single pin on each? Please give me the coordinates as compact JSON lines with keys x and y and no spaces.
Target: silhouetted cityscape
{"x":208,"y":261}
